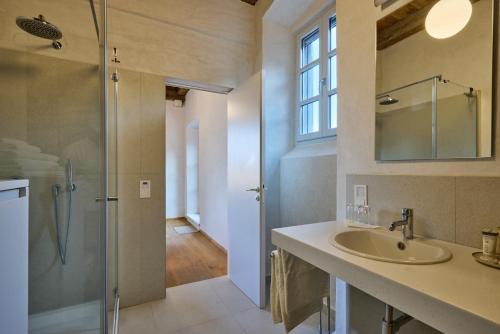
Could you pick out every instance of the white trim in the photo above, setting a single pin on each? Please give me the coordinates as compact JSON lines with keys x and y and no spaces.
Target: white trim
{"x":308,"y":101}
{"x":321,"y":22}
{"x":194,"y":219}
{"x":181,"y":83}
{"x":314,"y":25}
{"x":307,"y":67}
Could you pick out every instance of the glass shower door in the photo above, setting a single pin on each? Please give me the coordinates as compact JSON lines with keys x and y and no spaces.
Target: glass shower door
{"x":52,"y":133}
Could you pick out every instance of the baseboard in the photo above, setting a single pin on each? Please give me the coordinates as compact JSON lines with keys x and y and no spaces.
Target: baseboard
{"x":175,"y":218}
{"x":194,"y":219}
{"x":212,"y":240}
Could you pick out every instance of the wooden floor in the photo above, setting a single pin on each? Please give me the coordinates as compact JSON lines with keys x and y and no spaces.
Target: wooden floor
{"x":191,"y":257}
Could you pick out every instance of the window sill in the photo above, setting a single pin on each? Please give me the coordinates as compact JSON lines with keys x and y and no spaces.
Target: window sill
{"x":313,"y":148}
{"x":305,"y":141}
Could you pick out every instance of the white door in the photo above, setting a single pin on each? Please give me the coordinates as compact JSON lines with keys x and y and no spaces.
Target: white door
{"x":244,"y":181}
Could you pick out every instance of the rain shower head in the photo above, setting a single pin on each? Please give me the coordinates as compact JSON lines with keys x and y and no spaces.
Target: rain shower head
{"x":387,"y":100}
{"x":39,"y":27}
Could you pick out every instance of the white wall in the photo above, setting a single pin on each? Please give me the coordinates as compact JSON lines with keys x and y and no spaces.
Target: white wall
{"x":278,"y":100}
{"x":175,"y":168}
{"x":211,"y":112}
{"x":291,"y":174}
{"x":192,"y":166}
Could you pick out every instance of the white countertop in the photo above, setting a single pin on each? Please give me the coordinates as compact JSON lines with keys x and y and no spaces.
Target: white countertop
{"x":458,"y":296}
{"x":7,"y":184}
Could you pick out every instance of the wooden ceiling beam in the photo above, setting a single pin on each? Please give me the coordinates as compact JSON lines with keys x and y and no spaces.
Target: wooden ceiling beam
{"x":175,"y":93}
{"x":252,"y":2}
{"x":403,"y":22}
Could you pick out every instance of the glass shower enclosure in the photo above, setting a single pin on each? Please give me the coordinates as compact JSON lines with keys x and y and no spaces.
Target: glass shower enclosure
{"x":431,"y":119}
{"x":54,"y":132}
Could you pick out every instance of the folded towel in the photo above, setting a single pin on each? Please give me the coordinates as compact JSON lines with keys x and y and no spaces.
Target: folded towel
{"x":12,"y":154}
{"x":29,"y":164}
{"x":297,"y":289}
{"x":10,"y":143}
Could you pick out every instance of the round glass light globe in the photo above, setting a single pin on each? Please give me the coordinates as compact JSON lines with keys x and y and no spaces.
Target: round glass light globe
{"x":447,"y":18}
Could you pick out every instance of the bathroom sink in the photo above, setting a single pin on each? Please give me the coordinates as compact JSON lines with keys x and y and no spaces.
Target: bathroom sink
{"x":389,"y":247}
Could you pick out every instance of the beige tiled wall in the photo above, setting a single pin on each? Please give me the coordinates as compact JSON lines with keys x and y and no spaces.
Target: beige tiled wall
{"x":181,"y":39}
{"x":308,"y":189}
{"x":478,"y":206}
{"x":449,"y":208}
{"x":53,"y":104}
{"x":141,"y":156}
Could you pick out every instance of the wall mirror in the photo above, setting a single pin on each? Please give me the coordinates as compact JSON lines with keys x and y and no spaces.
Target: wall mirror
{"x":434,"y":80}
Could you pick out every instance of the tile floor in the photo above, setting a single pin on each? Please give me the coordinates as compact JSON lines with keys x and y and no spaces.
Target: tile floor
{"x":214,"y":306}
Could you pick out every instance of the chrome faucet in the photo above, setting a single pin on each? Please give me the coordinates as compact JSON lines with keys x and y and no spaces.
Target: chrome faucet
{"x":406,"y":224}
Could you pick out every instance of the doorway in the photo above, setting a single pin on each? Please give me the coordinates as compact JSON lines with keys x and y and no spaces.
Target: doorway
{"x":220,"y":163}
{"x":196,"y":179}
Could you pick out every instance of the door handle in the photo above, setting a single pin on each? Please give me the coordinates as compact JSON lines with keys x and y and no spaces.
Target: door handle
{"x":257,"y":190}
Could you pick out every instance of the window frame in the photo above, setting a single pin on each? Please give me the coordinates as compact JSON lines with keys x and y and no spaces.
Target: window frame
{"x":300,"y":70}
{"x":329,"y":92}
{"x":322,"y":23}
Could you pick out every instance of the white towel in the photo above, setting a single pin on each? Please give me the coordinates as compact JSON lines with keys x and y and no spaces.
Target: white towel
{"x":9,"y":143}
{"x":12,"y":154}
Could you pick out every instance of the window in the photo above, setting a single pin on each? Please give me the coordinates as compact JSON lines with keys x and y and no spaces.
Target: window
{"x":317,"y":81}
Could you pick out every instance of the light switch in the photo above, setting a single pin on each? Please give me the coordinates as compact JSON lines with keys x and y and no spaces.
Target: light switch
{"x":145,"y":189}
{"x":360,"y":195}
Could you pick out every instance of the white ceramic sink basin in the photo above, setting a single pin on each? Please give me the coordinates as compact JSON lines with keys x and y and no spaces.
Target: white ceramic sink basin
{"x":388,"y":247}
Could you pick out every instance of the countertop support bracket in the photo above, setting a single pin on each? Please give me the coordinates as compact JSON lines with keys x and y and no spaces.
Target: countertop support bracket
{"x":391,"y":326}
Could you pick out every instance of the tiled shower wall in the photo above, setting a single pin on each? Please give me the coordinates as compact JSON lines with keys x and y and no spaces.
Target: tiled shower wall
{"x":448,"y":208}
{"x":141,"y":156}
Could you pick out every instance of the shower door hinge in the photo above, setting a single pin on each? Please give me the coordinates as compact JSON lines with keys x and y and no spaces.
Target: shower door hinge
{"x":109,"y":199}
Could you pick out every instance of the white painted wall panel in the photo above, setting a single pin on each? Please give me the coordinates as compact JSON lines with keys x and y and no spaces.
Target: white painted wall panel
{"x":175,"y":165}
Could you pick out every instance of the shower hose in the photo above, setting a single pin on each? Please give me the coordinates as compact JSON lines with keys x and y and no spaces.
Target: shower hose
{"x":62,"y":246}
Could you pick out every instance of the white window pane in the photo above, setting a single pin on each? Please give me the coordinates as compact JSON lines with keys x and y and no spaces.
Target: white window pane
{"x":304,"y":120}
{"x":310,"y":83}
{"x":333,"y":33}
{"x":309,"y":118}
{"x":332,"y":112}
{"x":310,"y":48}
{"x":314,"y":51}
{"x":333,"y":72}
{"x":315,"y":117}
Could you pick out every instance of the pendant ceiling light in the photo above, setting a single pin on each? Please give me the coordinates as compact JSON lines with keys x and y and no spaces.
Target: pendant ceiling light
{"x":447,"y":18}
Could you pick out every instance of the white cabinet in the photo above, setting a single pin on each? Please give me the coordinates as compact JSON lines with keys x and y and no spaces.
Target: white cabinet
{"x":14,"y":198}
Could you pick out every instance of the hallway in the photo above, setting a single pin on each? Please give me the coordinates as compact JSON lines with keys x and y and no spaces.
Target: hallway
{"x":191,"y":257}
